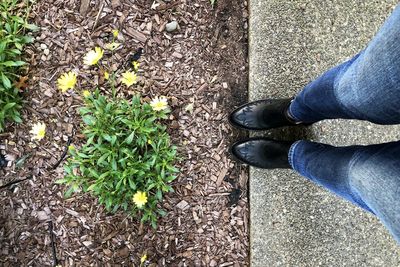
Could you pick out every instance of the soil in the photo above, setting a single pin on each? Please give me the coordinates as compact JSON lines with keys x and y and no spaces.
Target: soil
{"x":204,"y":63}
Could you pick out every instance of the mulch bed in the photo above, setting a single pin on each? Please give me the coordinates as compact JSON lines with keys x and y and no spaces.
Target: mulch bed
{"x":204,"y":63}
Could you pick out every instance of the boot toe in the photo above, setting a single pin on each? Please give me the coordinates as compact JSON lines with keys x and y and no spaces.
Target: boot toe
{"x":262,"y":152}
{"x":242,"y":119}
{"x":261,"y":115}
{"x":247,"y":152}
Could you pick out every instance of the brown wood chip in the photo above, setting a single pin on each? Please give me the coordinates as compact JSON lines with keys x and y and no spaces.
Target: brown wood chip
{"x":221,"y":176}
{"x":84,"y":7}
{"x":136,"y":35}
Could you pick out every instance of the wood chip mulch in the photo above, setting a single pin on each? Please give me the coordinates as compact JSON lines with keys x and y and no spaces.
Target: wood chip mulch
{"x":201,"y":67}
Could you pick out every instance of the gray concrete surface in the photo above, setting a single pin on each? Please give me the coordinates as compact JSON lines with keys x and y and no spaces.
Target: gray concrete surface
{"x":294,"y":222}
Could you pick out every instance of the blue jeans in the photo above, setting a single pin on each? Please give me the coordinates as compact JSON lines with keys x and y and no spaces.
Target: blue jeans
{"x":366,"y":87}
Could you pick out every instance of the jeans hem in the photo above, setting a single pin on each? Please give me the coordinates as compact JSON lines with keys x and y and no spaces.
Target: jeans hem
{"x":291,"y":153}
{"x":290,"y":113}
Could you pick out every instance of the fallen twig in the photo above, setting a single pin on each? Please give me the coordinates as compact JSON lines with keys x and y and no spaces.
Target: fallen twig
{"x":53,"y":167}
{"x":98,"y":16}
{"x":53,"y":246}
{"x":15,"y":182}
{"x":63,"y":154}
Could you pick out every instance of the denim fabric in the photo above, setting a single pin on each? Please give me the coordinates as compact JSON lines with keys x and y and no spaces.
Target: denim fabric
{"x":367,"y":87}
{"x":368,"y":176}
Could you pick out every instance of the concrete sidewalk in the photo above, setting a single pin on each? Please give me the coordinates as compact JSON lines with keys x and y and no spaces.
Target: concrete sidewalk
{"x":294,"y":222}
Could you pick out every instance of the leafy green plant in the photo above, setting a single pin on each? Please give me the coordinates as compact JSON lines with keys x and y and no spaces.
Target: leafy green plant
{"x":13,"y":25}
{"x":127,"y":161}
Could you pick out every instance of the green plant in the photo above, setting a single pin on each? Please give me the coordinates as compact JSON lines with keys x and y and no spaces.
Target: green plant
{"x":13,"y":24}
{"x":127,"y":151}
{"x":213,"y":2}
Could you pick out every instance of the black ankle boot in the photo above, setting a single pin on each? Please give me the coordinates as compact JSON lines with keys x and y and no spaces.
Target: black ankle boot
{"x":262,"y":152}
{"x":262,"y":115}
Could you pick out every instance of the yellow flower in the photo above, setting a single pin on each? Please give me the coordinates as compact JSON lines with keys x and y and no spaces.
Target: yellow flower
{"x":71,"y":147}
{"x":136,"y":65}
{"x":106,"y":75}
{"x":140,"y":199}
{"x":143,"y":258}
{"x":149,"y":142}
{"x":93,"y":56}
{"x":112,"y":46}
{"x":86,"y":93}
{"x":38,"y":131}
{"x":115,"y":33}
{"x":66,"y":81}
{"x":129,"y":78}
{"x":159,"y":103}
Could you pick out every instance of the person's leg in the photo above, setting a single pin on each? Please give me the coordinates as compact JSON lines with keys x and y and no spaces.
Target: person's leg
{"x":368,"y":176}
{"x":367,"y":87}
